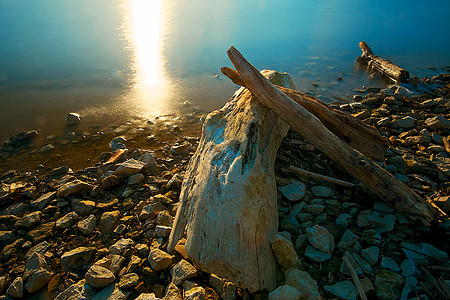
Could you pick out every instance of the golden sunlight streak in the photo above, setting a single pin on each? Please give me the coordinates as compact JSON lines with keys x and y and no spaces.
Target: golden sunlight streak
{"x":146,"y":15}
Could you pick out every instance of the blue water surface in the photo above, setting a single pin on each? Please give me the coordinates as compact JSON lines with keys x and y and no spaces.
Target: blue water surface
{"x":111,"y":60}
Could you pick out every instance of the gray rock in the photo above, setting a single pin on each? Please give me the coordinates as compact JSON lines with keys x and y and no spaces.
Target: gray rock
{"x":77,"y":291}
{"x":108,"y":221}
{"x":82,"y":207}
{"x":371,"y":254}
{"x":46,"y":148}
{"x":173,"y":293}
{"x":343,"y":220}
{"x":15,"y":290}
{"x":284,"y":252}
{"x":319,"y":237}
{"x":37,"y":280}
{"x":76,"y":258}
{"x":67,"y":221}
{"x":72,"y":119}
{"x":121,"y":245}
{"x":6,"y":236}
{"x":142,"y":250}
{"x":182,"y":271}
{"x":29,"y":220}
{"x":129,"y":280}
{"x":195,"y":293}
{"x":301,"y":281}
{"x":41,"y":233}
{"x":285,"y":292}
{"x":437,"y":123}
{"x":147,"y":296}
{"x":117,"y":143}
{"x":40,"y":248}
{"x":350,"y":242}
{"x":390,"y":264}
{"x":148,"y":159}
{"x":363,"y":218}
{"x":408,"y":268}
{"x":411,"y":282}
{"x":99,"y":277}
{"x":74,"y":187}
{"x":43,"y":200}
{"x":136,"y":179}
{"x":322,"y":191}
{"x":314,"y":209}
{"x":343,"y":290}
{"x":87,"y":225}
{"x":159,"y":260}
{"x":111,"y":292}
{"x":164,"y":219}
{"x":133,"y":264}
{"x":34,"y":262}
{"x":388,"y":284}
{"x":116,"y":263}
{"x":402,"y":122}
{"x":129,"y":167}
{"x":17,"y":209}
{"x":371,"y":237}
{"x":293,"y":191}
{"x":316,"y":255}
{"x":150,"y":211}
{"x":382,"y":223}
{"x":162,"y":231}
{"x":424,"y":253}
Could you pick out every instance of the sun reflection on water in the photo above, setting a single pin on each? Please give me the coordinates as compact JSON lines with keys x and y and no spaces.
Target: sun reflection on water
{"x":147,"y":26}
{"x":145,"y":31}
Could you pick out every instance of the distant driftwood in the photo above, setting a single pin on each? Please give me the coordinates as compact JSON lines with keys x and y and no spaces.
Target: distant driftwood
{"x":228,"y":208}
{"x":383,"y":66}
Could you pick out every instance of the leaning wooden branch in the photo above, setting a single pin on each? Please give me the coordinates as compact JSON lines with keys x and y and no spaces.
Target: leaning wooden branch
{"x":354,"y":132}
{"x":386,"y":186}
{"x":381,"y":65}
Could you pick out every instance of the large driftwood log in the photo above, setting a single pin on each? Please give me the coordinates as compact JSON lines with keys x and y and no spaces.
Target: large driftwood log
{"x":228,"y":205}
{"x":354,"y":132}
{"x":381,"y":65}
{"x":386,"y":186}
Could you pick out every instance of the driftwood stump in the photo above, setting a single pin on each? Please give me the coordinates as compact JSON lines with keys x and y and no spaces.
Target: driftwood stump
{"x":383,"y":66}
{"x":228,"y":207}
{"x":383,"y":184}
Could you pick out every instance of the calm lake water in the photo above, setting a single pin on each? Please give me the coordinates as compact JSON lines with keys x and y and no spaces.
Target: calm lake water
{"x":115,"y":60}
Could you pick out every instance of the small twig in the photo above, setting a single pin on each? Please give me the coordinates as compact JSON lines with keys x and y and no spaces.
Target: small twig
{"x":321,"y":177}
{"x":358,"y":284}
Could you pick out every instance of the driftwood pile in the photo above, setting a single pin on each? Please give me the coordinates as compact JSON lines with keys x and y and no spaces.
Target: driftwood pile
{"x":228,"y":208}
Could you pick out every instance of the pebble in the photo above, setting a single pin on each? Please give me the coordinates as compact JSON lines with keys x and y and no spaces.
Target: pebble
{"x":129,"y":167}
{"x":319,"y":237}
{"x":390,"y":264}
{"x":302,"y":281}
{"x":108,"y":221}
{"x":322,"y":191}
{"x":76,"y":258}
{"x":284,"y":252}
{"x":371,"y":254}
{"x":294,"y":191}
{"x":316,"y":255}
{"x":343,"y":290}
{"x":15,"y":290}
{"x":285,"y":292}
{"x":183,"y":271}
{"x":72,"y":119}
{"x":159,"y":260}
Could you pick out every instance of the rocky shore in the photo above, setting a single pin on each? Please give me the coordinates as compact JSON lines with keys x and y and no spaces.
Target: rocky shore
{"x":97,"y":227}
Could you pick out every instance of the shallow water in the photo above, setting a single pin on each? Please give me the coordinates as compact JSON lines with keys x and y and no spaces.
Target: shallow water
{"x":112,"y":61}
